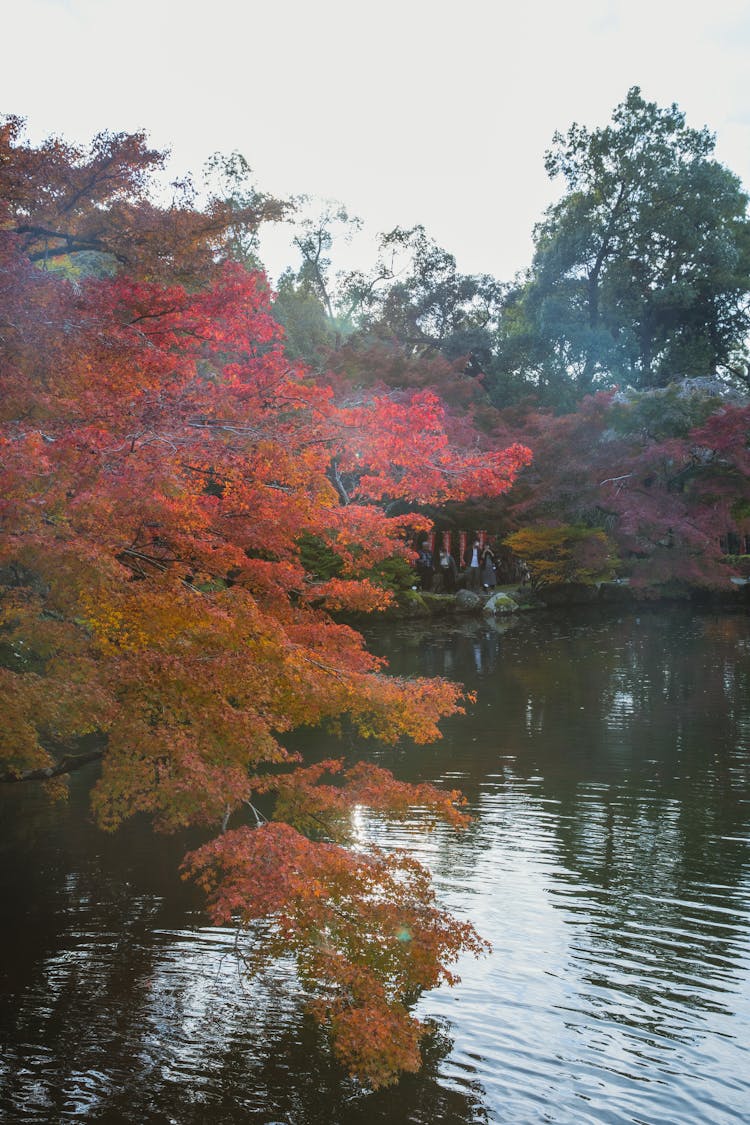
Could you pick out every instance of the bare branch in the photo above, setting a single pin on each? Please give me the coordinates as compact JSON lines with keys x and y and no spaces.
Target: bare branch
{"x":68,"y":764}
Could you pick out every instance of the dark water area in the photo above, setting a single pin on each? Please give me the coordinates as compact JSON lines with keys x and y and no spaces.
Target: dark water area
{"x":607,"y":766}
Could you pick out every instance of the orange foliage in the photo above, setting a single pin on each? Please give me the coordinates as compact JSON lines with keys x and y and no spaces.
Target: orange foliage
{"x":364,"y":928}
{"x":160,"y":463}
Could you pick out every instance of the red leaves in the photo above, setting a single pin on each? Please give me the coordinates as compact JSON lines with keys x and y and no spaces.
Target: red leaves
{"x":402,"y":451}
{"x":725,"y":437}
{"x":162,"y":466}
{"x":664,"y":474}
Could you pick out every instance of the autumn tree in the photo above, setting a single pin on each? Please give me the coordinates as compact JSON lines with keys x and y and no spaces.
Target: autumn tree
{"x":65,"y":200}
{"x":163,"y":464}
{"x":658,"y":479}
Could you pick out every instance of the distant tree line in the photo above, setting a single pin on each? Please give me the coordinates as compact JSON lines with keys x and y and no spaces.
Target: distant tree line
{"x":640,"y":276}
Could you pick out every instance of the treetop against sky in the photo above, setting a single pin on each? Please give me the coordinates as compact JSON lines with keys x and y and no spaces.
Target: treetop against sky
{"x":407,"y":112}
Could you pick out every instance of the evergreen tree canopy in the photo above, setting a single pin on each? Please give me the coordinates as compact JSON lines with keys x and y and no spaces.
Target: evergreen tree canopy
{"x":640,"y":272}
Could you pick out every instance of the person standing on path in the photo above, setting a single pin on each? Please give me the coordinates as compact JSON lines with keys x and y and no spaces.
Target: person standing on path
{"x":473,"y":563}
{"x":488,"y":572}
{"x":447,"y":571}
{"x":425,"y":568}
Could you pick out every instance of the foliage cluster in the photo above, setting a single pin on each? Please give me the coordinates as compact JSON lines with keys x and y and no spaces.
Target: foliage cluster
{"x":662,"y":474}
{"x":563,"y":554}
{"x":197,"y":476}
{"x":183,"y":511}
{"x":639,"y":285}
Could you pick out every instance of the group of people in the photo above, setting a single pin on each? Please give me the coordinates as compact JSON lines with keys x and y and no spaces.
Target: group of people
{"x":480,"y":569}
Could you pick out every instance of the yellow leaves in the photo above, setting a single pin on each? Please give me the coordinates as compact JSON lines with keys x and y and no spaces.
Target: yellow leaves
{"x":393,"y":708}
{"x":564,"y":553}
{"x":111,"y":628}
{"x":20,"y":749}
{"x":42,"y":713}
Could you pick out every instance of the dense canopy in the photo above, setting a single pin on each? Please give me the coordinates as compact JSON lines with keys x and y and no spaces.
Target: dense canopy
{"x":163,"y":464}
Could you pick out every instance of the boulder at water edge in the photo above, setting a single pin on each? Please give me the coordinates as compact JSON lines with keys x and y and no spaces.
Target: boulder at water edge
{"x":500,"y":603}
{"x":467,"y":601}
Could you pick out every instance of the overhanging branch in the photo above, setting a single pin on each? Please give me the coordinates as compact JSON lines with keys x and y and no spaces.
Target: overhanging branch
{"x":68,"y":764}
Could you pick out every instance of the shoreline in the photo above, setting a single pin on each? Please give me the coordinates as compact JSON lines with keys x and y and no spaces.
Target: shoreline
{"x":515,"y":599}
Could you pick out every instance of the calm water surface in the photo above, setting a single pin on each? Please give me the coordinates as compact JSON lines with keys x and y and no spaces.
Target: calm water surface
{"x":607,"y":765}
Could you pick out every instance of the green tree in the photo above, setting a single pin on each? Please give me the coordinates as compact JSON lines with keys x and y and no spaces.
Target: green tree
{"x":641,"y":271}
{"x":309,"y":303}
{"x":416,"y":295}
{"x":309,"y":334}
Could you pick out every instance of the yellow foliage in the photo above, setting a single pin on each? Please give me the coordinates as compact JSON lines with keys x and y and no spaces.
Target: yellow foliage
{"x":564,"y":553}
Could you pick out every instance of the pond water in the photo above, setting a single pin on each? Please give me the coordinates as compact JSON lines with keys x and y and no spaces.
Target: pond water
{"x":607,"y":766}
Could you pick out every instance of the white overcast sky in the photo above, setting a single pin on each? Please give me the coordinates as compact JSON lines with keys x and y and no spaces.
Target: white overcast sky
{"x":409,"y":111}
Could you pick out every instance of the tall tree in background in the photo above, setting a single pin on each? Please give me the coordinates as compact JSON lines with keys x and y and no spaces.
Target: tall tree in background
{"x":641,"y":272}
{"x":416,"y":295}
{"x":413,"y":297}
{"x":228,"y":180}
{"x":308,"y":302}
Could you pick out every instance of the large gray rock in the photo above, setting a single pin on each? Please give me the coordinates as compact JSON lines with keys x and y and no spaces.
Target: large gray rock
{"x":499,"y":603}
{"x":468,"y":602}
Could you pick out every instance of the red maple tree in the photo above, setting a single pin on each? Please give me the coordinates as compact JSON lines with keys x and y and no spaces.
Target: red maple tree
{"x":662,"y":475}
{"x":161,"y":462}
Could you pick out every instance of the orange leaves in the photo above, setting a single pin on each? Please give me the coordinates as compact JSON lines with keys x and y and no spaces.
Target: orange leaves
{"x":167,"y":480}
{"x":364,"y":928}
{"x":66,"y":200}
{"x":378,"y":1041}
{"x":370,"y":785}
{"x":324,"y":811}
{"x":395,"y":708}
{"x":356,"y":595}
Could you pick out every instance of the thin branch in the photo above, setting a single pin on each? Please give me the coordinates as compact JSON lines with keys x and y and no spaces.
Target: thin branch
{"x":614,"y":480}
{"x":337,"y":482}
{"x":260,"y":820}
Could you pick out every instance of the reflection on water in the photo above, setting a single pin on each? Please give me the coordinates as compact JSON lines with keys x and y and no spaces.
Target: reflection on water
{"x":607,"y":763}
